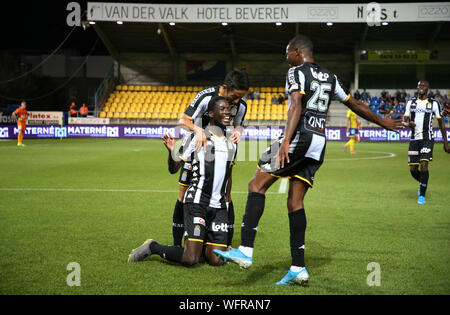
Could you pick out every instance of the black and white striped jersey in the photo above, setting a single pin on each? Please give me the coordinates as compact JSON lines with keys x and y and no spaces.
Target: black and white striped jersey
{"x":199,"y":108}
{"x":211,"y":169}
{"x":319,"y":86}
{"x":421,"y":112}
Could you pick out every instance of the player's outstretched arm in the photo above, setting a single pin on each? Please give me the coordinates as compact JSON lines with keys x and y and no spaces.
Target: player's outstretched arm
{"x":365,"y":112}
{"x":169,"y":143}
{"x":200,"y":137}
{"x":446,"y":111}
{"x":444,"y":135}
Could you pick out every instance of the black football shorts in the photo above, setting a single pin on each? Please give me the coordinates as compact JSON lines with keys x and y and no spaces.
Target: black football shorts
{"x":205,"y":224}
{"x":420,"y":150}
{"x":306,"y":155}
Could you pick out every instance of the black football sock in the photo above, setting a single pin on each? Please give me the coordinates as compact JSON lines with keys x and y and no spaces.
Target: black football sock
{"x":230,"y":222}
{"x":416,"y":175}
{"x":297,"y":226}
{"x":178,"y":224}
{"x":172,"y":253}
{"x":424,"y":175}
{"x":253,"y":212}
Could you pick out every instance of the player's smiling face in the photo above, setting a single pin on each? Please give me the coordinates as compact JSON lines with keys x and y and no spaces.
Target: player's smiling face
{"x":222,"y":113}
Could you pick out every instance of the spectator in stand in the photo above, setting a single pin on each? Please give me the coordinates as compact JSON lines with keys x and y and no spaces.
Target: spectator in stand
{"x":397,"y":95}
{"x":250,"y":94}
{"x":83,"y":110}
{"x":357,"y":95}
{"x":389,"y":106}
{"x":365,"y":95}
{"x":72,"y":110}
{"x":256,"y":95}
{"x":383,"y":108}
{"x":402,"y":98}
{"x":384,"y":94}
{"x":396,"y":114}
{"x":280,"y":99}
{"x":274,"y":100}
{"x":430,"y":94}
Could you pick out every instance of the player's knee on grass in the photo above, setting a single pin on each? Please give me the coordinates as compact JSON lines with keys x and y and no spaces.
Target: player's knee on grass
{"x":192,"y":253}
{"x":190,"y":259}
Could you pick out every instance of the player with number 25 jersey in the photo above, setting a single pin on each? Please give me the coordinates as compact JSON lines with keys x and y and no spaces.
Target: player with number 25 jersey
{"x":318,"y":86}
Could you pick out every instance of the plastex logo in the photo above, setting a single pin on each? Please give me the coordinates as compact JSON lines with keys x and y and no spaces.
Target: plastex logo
{"x":4,"y":132}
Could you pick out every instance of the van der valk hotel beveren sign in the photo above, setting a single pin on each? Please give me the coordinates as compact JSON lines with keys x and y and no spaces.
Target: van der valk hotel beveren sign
{"x":269,"y":13}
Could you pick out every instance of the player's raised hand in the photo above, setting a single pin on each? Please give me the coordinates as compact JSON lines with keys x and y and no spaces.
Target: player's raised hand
{"x":235,"y":136}
{"x":283,"y":155}
{"x":169,"y":141}
{"x":392,"y":124}
{"x":200,"y":139}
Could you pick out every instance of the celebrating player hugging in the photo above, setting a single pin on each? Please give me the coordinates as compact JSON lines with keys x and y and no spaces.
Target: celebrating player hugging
{"x":205,"y":211}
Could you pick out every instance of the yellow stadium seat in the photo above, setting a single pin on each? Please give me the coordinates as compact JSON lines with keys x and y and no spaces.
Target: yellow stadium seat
{"x":110,"y":115}
{"x":123,"y":115}
{"x":116,"y":115}
{"x":103,"y":114}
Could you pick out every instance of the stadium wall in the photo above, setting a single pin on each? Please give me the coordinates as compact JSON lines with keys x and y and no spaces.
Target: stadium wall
{"x":263,"y":69}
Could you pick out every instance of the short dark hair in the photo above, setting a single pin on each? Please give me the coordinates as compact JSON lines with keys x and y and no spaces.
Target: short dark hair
{"x":237,"y":80}
{"x":301,"y":42}
{"x":213,"y":102}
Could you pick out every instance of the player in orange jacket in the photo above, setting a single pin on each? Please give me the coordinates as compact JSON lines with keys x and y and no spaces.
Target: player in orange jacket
{"x":22,"y":114}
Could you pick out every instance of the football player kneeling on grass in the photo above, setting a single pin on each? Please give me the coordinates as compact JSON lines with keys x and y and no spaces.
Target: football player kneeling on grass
{"x":205,"y":211}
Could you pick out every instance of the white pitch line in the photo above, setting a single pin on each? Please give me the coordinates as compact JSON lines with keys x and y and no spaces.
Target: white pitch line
{"x":281,"y":190}
{"x":387,"y":156}
{"x":107,"y":190}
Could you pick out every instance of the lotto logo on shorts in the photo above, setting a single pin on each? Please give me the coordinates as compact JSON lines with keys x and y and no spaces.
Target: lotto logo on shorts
{"x":198,"y":220}
{"x":220,"y":227}
{"x":413,"y":152}
{"x":425,"y":150}
{"x":4,"y":132}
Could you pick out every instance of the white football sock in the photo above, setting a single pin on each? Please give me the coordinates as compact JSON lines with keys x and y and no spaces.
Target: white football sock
{"x":247,"y":251}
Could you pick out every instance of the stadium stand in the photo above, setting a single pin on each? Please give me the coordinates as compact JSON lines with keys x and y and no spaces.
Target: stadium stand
{"x":141,"y":104}
{"x":134,"y":102}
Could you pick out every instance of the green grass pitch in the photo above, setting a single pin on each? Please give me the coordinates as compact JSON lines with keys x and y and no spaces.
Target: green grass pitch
{"x":91,"y":201}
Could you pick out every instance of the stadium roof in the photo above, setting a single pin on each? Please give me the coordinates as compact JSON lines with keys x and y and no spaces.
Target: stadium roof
{"x":260,"y":37}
